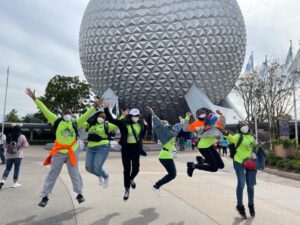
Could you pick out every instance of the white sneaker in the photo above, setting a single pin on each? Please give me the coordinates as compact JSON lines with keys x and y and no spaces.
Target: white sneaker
{"x":2,"y":182}
{"x":156,"y":190}
{"x":101,"y":182}
{"x":15,"y":185}
{"x":105,"y":182}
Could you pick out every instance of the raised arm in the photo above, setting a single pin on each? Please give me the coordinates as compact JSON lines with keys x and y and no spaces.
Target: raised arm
{"x":109,"y":117}
{"x":83,"y":118}
{"x":50,"y":116}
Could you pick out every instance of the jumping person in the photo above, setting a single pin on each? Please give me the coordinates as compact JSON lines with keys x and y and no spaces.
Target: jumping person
{"x":98,"y":146}
{"x":64,"y":149}
{"x":14,"y":145}
{"x":166,"y":134}
{"x":132,"y":129}
{"x":207,"y":126}
{"x":244,"y":146}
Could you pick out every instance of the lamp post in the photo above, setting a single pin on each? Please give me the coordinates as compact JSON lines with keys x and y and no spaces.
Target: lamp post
{"x":4,"y":108}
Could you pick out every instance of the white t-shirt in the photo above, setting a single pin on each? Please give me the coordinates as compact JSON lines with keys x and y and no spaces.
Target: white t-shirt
{"x":2,"y":138}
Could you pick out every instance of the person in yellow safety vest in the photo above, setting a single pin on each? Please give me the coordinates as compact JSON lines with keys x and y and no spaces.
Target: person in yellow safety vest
{"x":167,"y":136}
{"x":64,"y":149}
{"x":208,"y":132}
{"x":98,"y":146}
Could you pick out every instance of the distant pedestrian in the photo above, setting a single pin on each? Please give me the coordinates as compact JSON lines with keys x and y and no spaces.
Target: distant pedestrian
{"x":2,"y":150}
{"x":14,"y":145}
{"x":224,"y":145}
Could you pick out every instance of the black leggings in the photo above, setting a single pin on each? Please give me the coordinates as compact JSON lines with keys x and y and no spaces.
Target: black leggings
{"x":171,"y":169}
{"x":131,"y":162}
{"x":213,"y":160}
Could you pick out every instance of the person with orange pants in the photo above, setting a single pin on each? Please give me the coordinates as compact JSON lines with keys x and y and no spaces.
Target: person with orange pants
{"x":207,"y":126}
{"x":64,"y":149}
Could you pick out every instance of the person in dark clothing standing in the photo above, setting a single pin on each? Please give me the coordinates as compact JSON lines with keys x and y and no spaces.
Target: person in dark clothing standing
{"x":132,"y":130}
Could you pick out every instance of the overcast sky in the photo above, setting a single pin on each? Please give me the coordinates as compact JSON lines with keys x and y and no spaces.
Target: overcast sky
{"x":39,"y":39}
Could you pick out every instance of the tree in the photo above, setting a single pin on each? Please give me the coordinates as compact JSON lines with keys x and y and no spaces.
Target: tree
{"x":66,"y":92}
{"x":12,"y":116}
{"x":271,"y":94}
{"x":32,"y":118}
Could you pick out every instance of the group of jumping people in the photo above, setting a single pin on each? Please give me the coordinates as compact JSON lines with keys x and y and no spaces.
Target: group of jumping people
{"x":208,"y":126}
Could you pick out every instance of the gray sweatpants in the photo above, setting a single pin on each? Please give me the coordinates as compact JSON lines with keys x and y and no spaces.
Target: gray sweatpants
{"x":57,"y":163}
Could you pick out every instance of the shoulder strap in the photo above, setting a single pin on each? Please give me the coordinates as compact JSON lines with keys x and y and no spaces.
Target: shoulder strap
{"x":74,"y":125}
{"x":106,"y":128}
{"x":56,"y":123}
{"x":239,"y":141}
{"x":134,"y":134}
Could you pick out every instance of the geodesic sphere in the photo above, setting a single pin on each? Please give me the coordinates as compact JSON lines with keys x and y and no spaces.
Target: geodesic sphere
{"x":151,"y":52}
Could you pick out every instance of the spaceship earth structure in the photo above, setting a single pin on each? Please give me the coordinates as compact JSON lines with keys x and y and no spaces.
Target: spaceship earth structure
{"x":150,"y":52}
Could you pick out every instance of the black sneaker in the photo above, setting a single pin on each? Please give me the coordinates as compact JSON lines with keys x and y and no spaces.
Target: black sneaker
{"x":241,"y":210}
{"x":126,"y":195}
{"x":251,"y":210}
{"x":132,"y":184}
{"x":80,"y":198}
{"x":200,"y":159}
{"x":44,"y":201}
{"x":190,"y":168}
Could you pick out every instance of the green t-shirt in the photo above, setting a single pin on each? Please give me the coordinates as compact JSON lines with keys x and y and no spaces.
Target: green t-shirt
{"x":245,"y":149}
{"x":99,"y":129}
{"x":206,"y":142}
{"x":138,"y":128}
{"x":65,"y":133}
{"x":170,"y":145}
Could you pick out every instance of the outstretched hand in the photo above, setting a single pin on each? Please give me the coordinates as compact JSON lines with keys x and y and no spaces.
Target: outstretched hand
{"x":105,"y":104}
{"x":188,"y":114}
{"x":150,"y":110}
{"x":98,"y":102}
{"x":30,"y":93}
{"x":219,"y":112}
{"x":125,"y":112}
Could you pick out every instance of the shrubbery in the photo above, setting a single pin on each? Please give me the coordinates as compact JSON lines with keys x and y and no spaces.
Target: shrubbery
{"x":291,"y":163}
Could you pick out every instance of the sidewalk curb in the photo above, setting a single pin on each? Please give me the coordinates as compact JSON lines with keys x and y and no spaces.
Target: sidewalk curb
{"x":280,"y":173}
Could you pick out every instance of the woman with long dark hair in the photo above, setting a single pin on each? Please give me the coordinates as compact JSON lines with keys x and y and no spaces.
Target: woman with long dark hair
{"x":15,"y":142}
{"x":98,"y":146}
{"x":133,"y":130}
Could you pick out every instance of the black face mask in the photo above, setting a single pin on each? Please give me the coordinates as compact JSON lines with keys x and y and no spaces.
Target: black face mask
{"x":201,"y":119}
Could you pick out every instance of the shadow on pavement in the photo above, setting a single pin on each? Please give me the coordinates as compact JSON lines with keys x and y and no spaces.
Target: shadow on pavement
{"x":148,"y":215}
{"x":105,"y":220}
{"x":175,"y":223}
{"x":57,"y":219}
{"x":23,"y":221}
{"x":238,"y":221}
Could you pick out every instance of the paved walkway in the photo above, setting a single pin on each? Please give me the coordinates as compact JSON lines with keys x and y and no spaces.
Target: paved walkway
{"x":206,"y":198}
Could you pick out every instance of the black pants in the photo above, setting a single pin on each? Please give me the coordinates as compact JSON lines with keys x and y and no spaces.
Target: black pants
{"x":213,"y":160}
{"x":131,"y":162}
{"x":171,"y":169}
{"x":224,"y":150}
{"x":2,"y":156}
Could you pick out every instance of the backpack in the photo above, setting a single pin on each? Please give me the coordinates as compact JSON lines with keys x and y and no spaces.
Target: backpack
{"x":12,"y":147}
{"x":57,"y":122}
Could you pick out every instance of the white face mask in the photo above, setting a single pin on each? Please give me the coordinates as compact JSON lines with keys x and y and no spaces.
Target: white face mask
{"x":67,"y":117}
{"x":244,"y":129}
{"x":135,"y":119}
{"x":202,"y":116}
{"x":100,"y":120}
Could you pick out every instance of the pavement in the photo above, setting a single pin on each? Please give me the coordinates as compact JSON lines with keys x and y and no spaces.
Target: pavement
{"x":206,"y":198}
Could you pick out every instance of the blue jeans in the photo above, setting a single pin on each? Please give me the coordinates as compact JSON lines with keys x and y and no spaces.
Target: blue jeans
{"x":244,"y":176}
{"x":9,"y":164}
{"x":95,"y":158}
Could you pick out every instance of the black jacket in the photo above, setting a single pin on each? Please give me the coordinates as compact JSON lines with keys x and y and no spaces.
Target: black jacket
{"x":122,"y":124}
